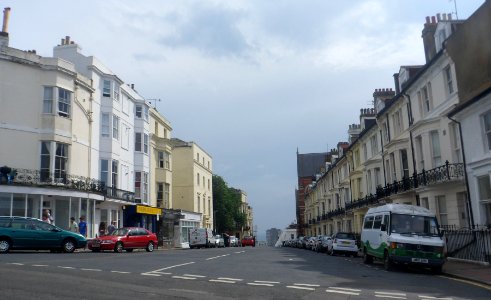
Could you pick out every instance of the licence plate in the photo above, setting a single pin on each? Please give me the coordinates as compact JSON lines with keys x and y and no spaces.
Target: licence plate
{"x":420,"y":260}
{"x":345,"y":243}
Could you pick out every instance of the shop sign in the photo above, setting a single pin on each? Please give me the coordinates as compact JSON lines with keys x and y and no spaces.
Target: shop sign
{"x":140,"y":209}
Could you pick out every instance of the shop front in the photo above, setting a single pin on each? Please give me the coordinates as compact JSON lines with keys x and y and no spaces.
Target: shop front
{"x":141,"y":216}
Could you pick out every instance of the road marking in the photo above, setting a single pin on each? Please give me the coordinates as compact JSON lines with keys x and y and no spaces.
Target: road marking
{"x":223,"y":281}
{"x":66,"y":267}
{"x":184,"y":277}
{"x":150,"y":274}
{"x":306,"y":284}
{"x":389,"y":296}
{"x":39,"y":265}
{"x":214,"y":257}
{"x":468,"y":282}
{"x":232,"y":279}
{"x":197,"y":276}
{"x":392,"y":294}
{"x":300,"y":287}
{"x":261,"y":284}
{"x":272,"y":282}
{"x":431,"y":297}
{"x":344,"y":289}
{"x":166,"y":268}
{"x":95,"y":270}
{"x":17,"y":264}
{"x":121,"y":272}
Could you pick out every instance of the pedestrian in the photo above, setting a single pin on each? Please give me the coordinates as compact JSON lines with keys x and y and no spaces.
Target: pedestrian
{"x":82,"y":226}
{"x":111,"y":227}
{"x":47,"y":217}
{"x":102,"y":229}
{"x":73,"y":225}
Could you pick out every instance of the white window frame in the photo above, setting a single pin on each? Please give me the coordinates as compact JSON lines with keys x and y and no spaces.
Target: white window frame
{"x":48,"y":99}
{"x":138,"y":142}
{"x":105,"y":127}
{"x":115,"y":127}
{"x":145,"y":143}
{"x":106,"y":88}
{"x":441,"y":204}
{"x":138,"y":111}
{"x":64,"y":103}
{"x":455,"y":140}
{"x":436,"y":151}
{"x":486,"y":125}
{"x":104,"y":171}
{"x":116,"y":92}
{"x":449,"y":80}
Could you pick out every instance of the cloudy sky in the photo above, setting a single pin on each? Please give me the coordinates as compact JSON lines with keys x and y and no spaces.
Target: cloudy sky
{"x":249,"y":81}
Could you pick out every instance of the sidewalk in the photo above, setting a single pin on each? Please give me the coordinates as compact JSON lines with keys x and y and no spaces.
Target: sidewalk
{"x":472,"y":271}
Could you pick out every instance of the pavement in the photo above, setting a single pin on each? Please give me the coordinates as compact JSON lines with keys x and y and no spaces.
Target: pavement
{"x":468,"y":270}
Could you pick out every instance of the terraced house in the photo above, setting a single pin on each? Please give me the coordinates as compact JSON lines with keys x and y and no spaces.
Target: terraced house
{"x":408,"y":148}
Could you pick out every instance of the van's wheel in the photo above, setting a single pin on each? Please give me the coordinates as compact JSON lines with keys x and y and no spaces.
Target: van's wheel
{"x":149,"y":247}
{"x":118,"y":248}
{"x":388,"y":264}
{"x":5,"y":245}
{"x":367,"y":259}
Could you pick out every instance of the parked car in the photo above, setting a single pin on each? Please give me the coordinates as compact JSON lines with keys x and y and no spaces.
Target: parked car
{"x":248,"y":241}
{"x":33,"y":234}
{"x":343,"y":242}
{"x":201,"y":237}
{"x":324,"y":243}
{"x":126,"y":238}
{"x":233,"y":241}
{"x":219,"y":241}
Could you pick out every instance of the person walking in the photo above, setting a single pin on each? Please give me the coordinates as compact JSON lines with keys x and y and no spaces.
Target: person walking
{"x":73,"y":225}
{"x":47,"y":217}
{"x":102,"y":229}
{"x":111,"y":227}
{"x":82,"y":226}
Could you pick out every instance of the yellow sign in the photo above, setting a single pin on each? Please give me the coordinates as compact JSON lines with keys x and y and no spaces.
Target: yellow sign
{"x":148,"y":210}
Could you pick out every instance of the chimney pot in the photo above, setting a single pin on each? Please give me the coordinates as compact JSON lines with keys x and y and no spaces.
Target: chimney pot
{"x":67,"y":39}
{"x":62,"y":42}
{"x":133,"y":86}
{"x":439,"y":17}
{"x":433,"y":19}
{"x":427,"y":20}
{"x":6,"y":15}
{"x":449,"y":17}
{"x":444,"y":16}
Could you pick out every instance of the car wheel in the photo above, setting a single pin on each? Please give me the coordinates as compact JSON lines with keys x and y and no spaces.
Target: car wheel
{"x":5,"y":245}
{"x":388,"y":264}
{"x":129,"y":250}
{"x":68,"y":246}
{"x":149,"y":247}
{"x":118,"y":248}
{"x":367,"y":259}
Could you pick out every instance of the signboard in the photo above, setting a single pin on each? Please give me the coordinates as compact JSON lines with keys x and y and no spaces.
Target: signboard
{"x":140,"y":209}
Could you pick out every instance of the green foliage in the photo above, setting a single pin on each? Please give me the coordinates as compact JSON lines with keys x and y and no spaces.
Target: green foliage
{"x":227,"y":206}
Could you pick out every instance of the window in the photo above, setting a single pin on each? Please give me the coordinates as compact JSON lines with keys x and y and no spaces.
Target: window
{"x":115,"y":127}
{"x":455,"y":140}
{"x":377,"y":222}
{"x":208,"y":184}
{"x":404,"y":163}
{"x":104,"y":170}
{"x":116,"y":92}
{"x":365,"y":153}
{"x":426,"y":98}
{"x":199,"y":203}
{"x":106,"y":89}
{"x":197,"y":157}
{"x":487,"y":128}
{"x":419,"y":151}
{"x":442,"y":209}
{"x":368,"y":223}
{"x":64,"y":102}
{"x":145,"y":143}
{"x":48,"y":100}
{"x":484,"y":188}
{"x":448,"y":79}
{"x":424,"y":203}
{"x":138,"y":179}
{"x":377,"y":177}
{"x":161,"y":202}
{"x":435,"y":149}
{"x":145,"y":115}
{"x":145,"y":187}
{"x":105,"y":125}
{"x":374,"y":145}
{"x":114,"y":175}
{"x":138,"y":141}
{"x":138,"y":111}
{"x":61,"y":160}
{"x":166,"y":195}
{"x":369,"y":182}
{"x":164,"y":160}
{"x":393,"y":166}
{"x":45,"y":160}
{"x":197,"y":178}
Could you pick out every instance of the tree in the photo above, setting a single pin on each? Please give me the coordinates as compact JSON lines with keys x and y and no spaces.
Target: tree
{"x":227,"y":206}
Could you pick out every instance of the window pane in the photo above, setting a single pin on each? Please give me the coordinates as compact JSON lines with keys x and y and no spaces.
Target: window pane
{"x":484,"y":187}
{"x":4,"y":204}
{"x":48,"y":100}
{"x":106,"y":92}
{"x":138,"y":141}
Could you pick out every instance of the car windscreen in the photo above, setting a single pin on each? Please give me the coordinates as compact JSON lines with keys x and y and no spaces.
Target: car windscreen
{"x":411,"y":224}
{"x":345,"y":236}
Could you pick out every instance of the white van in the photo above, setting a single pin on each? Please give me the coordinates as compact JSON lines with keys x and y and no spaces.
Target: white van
{"x":402,"y":234}
{"x":201,"y":237}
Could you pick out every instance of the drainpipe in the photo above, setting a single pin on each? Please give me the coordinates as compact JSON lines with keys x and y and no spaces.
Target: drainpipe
{"x":469,"y":204}
{"x":411,"y":121}
{"x":383,"y":161}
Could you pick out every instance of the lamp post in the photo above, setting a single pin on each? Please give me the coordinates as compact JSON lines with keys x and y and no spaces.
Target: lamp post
{"x":214,"y":221}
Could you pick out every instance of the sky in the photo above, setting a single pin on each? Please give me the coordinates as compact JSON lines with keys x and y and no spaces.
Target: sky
{"x":249,"y":81}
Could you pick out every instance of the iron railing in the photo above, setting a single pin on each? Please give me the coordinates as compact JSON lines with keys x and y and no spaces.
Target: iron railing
{"x":115,"y":193}
{"x":469,"y":244}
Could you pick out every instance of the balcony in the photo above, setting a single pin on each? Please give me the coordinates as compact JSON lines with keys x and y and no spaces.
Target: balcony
{"x":118,"y":194}
{"x":26,"y":177}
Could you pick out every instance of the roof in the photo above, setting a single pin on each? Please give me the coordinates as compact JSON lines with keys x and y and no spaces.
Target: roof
{"x":310,"y":164}
{"x":402,"y":209}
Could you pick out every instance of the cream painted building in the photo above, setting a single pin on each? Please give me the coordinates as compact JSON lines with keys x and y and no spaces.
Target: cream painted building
{"x":246,"y":209}
{"x":192,"y":180}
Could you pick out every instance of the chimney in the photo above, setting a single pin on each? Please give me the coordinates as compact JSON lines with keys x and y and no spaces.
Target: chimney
{"x":132,"y":86}
{"x":396,"y":83}
{"x":428,"y":35}
{"x":6,"y":15}
{"x":67,"y":40}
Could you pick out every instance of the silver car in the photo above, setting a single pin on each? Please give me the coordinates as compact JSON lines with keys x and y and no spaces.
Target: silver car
{"x":219,"y":241}
{"x":343,"y":242}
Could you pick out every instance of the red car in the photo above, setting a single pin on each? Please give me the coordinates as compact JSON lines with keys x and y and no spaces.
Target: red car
{"x":248,"y":241}
{"x":126,"y":238}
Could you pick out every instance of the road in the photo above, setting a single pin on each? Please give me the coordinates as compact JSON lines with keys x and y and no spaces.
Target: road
{"x":246,"y":273}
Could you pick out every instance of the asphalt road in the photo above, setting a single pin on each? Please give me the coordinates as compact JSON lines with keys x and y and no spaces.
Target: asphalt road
{"x":245,"y":273}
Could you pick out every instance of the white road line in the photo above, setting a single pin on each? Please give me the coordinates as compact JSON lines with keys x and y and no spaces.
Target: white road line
{"x":39,"y":265}
{"x":431,"y":297}
{"x":344,"y":289}
{"x":150,"y":274}
{"x":184,"y":277}
{"x":389,"y":296}
{"x":223,"y":281}
{"x":95,"y":270}
{"x":232,"y":279}
{"x":172,"y":267}
{"x":343,"y":292}
{"x":197,"y":276}
{"x":214,"y":257}
{"x":161,"y":273}
{"x":392,"y":294}
{"x":306,"y":284}
{"x":66,"y":267}
{"x":261,"y":284}
{"x":300,"y":287}
{"x":272,"y":282}
{"x":17,"y":264}
{"x":121,"y":272}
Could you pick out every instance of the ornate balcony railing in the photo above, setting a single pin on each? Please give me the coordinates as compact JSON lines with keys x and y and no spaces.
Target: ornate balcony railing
{"x":63,"y":181}
{"x":115,"y":193}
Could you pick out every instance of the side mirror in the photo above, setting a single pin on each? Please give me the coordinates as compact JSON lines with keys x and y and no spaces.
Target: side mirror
{"x":383,"y":227}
